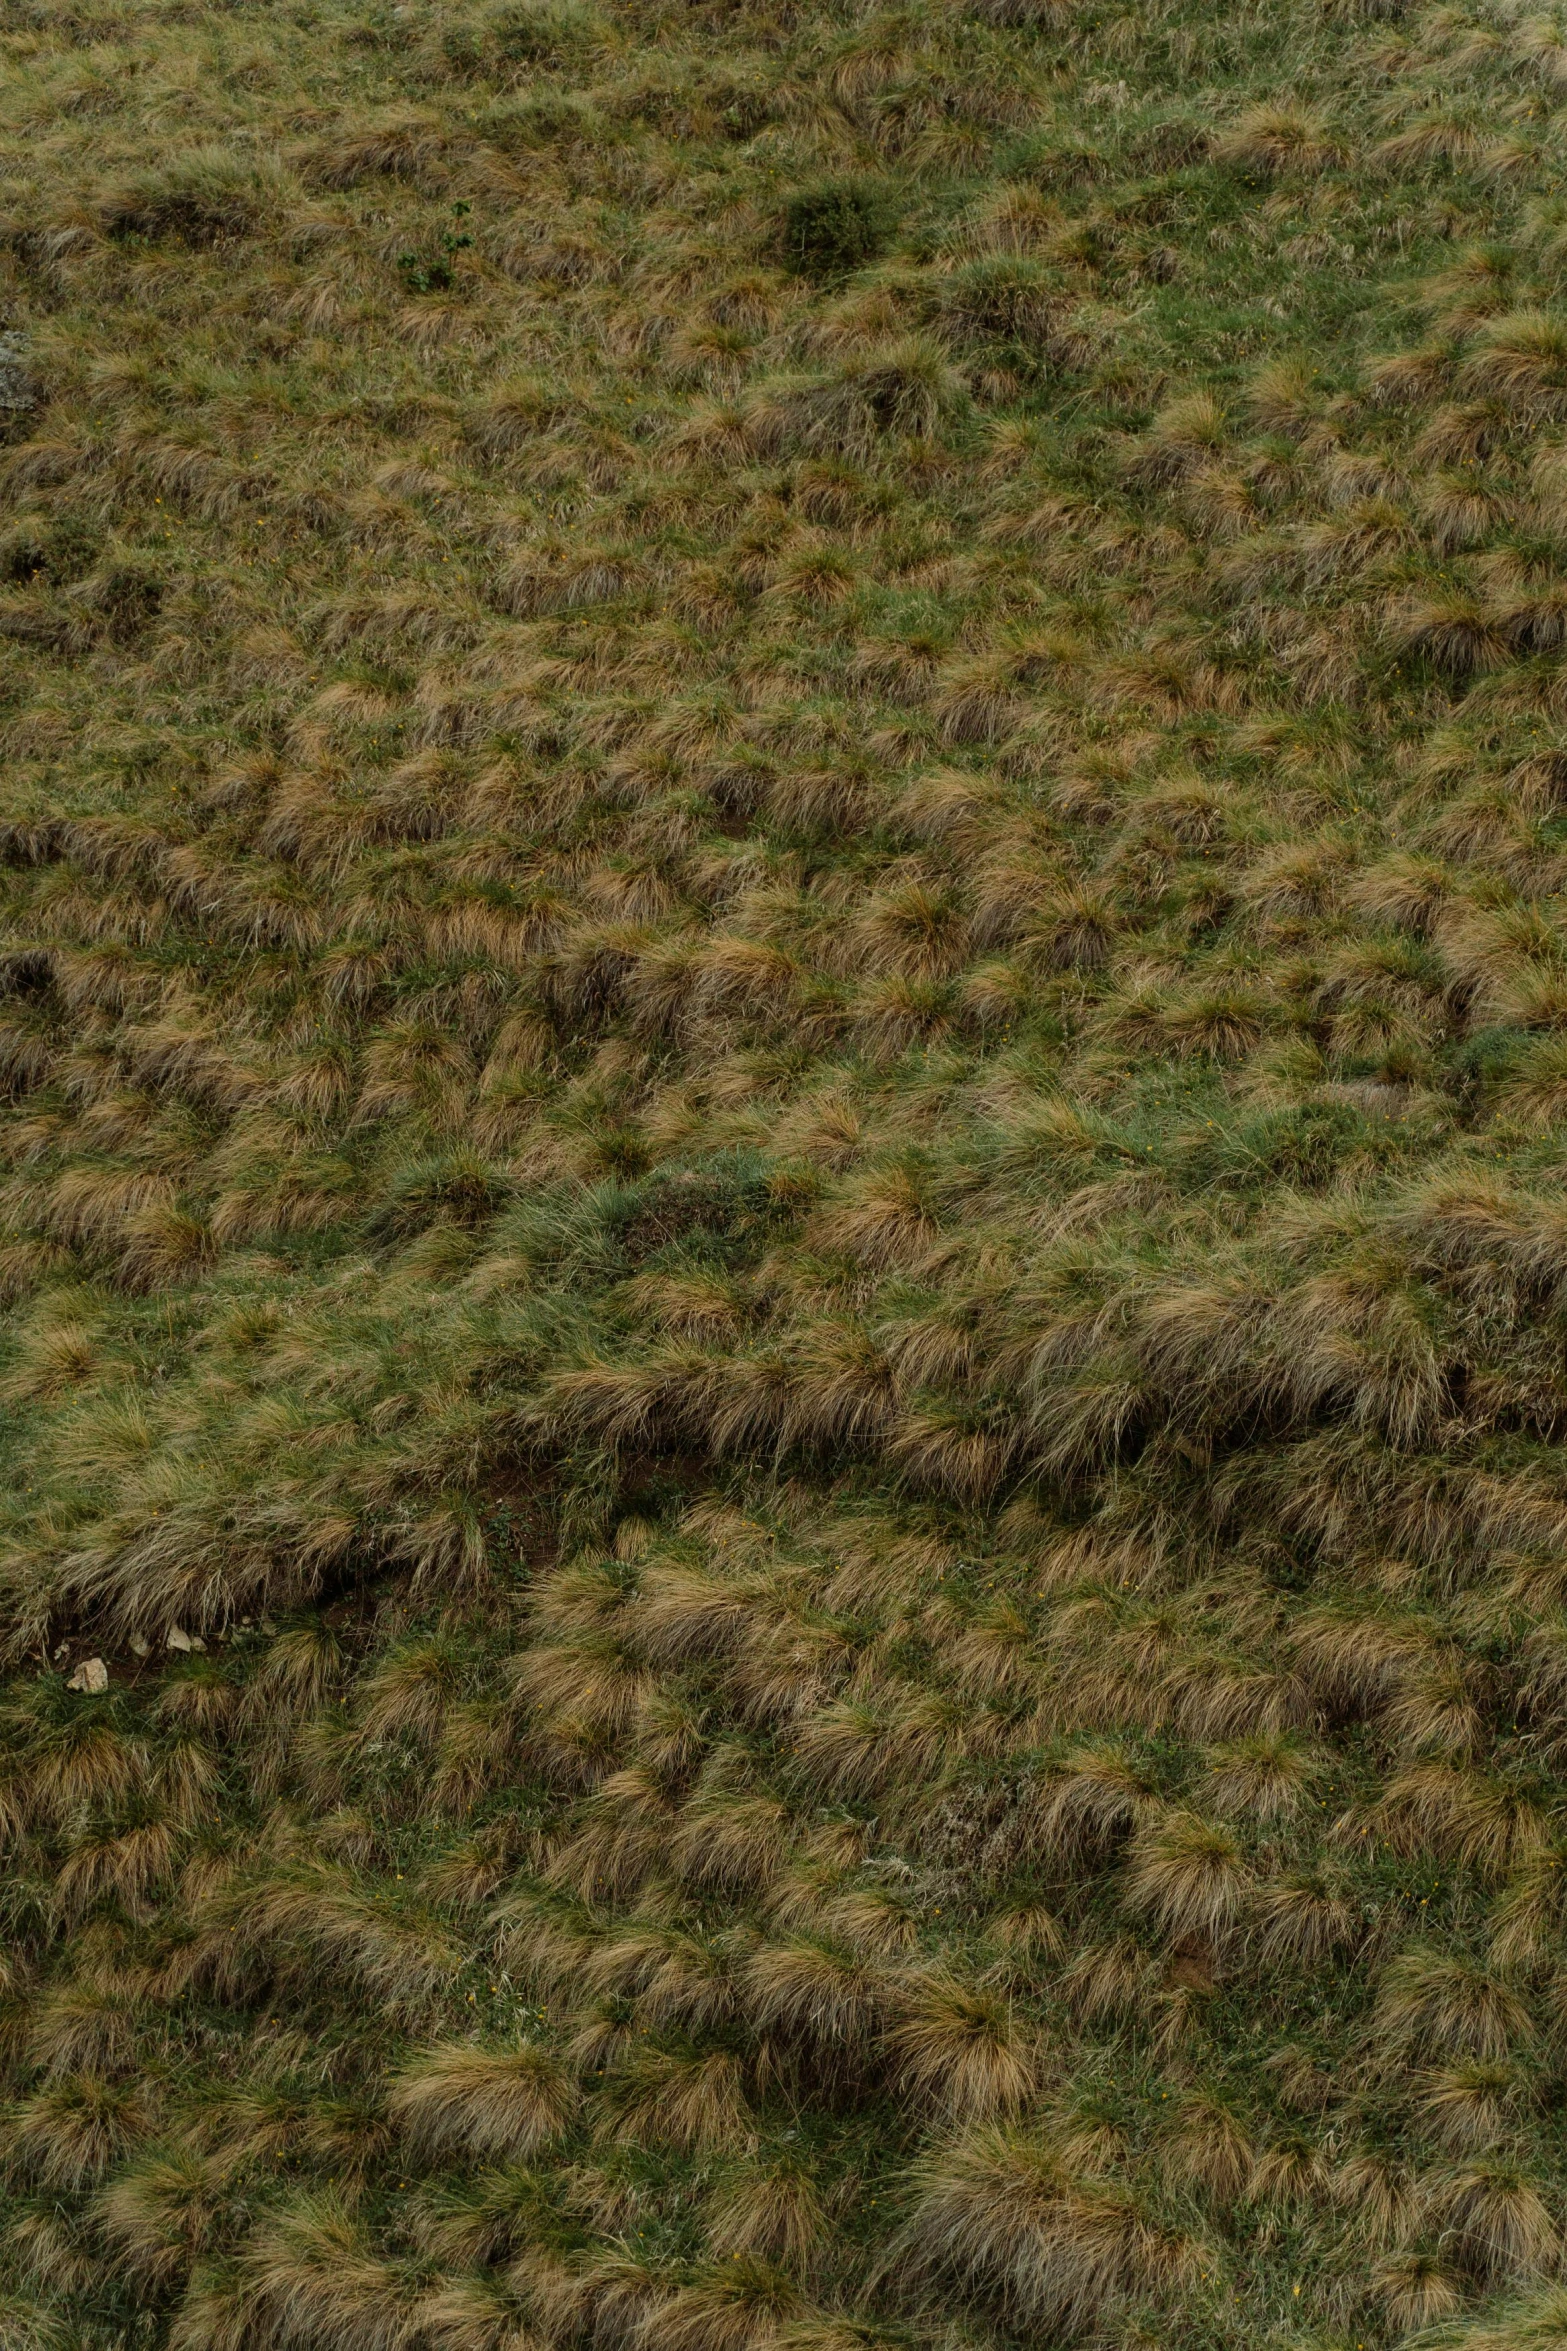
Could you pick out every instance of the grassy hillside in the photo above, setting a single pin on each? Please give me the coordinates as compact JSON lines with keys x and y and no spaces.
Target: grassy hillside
{"x":783,"y":1004}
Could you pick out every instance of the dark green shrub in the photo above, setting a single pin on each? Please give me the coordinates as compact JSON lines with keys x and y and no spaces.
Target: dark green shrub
{"x":829,"y":231}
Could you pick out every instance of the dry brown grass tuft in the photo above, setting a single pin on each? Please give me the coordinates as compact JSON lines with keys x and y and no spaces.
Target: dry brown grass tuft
{"x":491,"y":2102}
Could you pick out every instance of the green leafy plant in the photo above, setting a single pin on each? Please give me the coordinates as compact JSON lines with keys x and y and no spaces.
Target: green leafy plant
{"x":435,"y":271}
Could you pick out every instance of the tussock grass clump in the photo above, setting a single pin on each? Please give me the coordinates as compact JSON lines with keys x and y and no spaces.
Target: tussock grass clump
{"x":783,"y":1060}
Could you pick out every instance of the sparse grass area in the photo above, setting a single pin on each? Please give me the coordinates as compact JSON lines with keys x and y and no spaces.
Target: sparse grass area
{"x":783,"y":801}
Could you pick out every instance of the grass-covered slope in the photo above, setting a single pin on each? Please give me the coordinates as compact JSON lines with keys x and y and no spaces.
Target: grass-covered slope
{"x":784,"y":1009}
